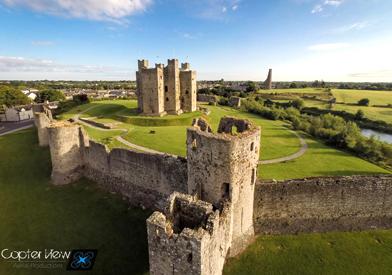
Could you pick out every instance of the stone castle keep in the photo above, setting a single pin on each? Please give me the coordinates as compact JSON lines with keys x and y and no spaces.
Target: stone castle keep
{"x":165,"y":90}
{"x":209,"y":205}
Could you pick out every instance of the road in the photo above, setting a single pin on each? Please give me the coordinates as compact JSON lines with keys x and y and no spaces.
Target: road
{"x":11,"y":127}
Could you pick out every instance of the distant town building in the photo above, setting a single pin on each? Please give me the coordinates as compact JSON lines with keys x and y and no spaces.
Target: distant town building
{"x":166,"y":90}
{"x":268,"y":81}
{"x":31,"y":93}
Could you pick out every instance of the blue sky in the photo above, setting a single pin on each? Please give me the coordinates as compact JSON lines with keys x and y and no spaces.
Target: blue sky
{"x":333,"y":40}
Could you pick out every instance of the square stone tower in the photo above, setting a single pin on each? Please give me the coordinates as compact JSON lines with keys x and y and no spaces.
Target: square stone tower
{"x":188,"y":86}
{"x":151,"y":84}
{"x":172,"y":87}
{"x":165,"y":89}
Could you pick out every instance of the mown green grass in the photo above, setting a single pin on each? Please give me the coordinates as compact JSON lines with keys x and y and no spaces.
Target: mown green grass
{"x":353,"y":96}
{"x":294,"y":91}
{"x":36,"y":215}
{"x":319,"y":160}
{"x":309,"y":254}
{"x":276,"y":140}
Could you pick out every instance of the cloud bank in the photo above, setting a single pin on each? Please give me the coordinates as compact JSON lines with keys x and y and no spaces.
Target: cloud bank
{"x":106,"y":10}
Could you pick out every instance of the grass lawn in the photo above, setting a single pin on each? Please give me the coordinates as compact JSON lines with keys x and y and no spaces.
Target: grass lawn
{"x":294,"y":91}
{"x":309,"y":254}
{"x":36,"y":215}
{"x":276,"y":140}
{"x":319,"y":160}
{"x":353,"y":96}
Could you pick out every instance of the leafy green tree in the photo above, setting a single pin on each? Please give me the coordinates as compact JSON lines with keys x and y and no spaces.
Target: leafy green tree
{"x":364,"y":102}
{"x":49,"y":95}
{"x":10,"y":96}
{"x":298,"y":103}
{"x":251,"y":86}
{"x":359,"y":115}
{"x":293,"y":85}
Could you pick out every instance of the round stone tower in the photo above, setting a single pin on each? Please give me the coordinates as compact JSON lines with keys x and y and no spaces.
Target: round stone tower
{"x":222,"y":167}
{"x":65,"y":142}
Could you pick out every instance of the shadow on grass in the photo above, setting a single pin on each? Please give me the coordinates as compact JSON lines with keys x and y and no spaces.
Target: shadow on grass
{"x":36,"y":215}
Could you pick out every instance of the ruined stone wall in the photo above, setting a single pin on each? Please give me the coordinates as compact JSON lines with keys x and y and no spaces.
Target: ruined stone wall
{"x":152,"y":85}
{"x":188,"y":238}
{"x":206,"y":98}
{"x":42,"y":121}
{"x":145,"y":179}
{"x":235,"y":102}
{"x":323,"y":204}
{"x":188,"y":90}
{"x":172,"y":87}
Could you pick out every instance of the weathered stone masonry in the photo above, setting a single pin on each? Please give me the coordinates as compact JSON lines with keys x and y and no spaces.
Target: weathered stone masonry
{"x":210,"y":204}
{"x":323,"y":204}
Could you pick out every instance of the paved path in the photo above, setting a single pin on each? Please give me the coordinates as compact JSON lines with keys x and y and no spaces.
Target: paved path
{"x":304,"y":148}
{"x":11,"y":127}
{"x":138,"y":147}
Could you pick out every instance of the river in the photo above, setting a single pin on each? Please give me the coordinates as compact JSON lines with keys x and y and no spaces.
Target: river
{"x":382,"y":136}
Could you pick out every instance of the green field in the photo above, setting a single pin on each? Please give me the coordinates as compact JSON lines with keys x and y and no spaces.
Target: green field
{"x":319,"y":160}
{"x":347,"y":100}
{"x":36,"y":215}
{"x":277,"y":141}
{"x":294,"y":91}
{"x":328,"y":253}
{"x":353,"y":96}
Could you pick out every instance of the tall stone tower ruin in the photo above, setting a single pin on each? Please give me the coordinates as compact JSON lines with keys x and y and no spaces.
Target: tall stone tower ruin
{"x":268,"y":81}
{"x":214,"y":220}
{"x":165,"y":90}
{"x":223,"y":167}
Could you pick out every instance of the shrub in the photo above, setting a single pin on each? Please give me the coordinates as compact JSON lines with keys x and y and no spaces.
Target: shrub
{"x":364,"y":102}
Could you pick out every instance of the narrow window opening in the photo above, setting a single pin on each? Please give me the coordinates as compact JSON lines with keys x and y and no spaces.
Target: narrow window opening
{"x":166,"y":89}
{"x":167,"y":99}
{"x":253,"y":176}
{"x":194,"y":144}
{"x":186,"y":92}
{"x":226,"y":190}
{"x":189,"y":258}
{"x":252,"y":145}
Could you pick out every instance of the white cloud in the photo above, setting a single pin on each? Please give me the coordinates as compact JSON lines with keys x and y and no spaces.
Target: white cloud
{"x":211,"y":9}
{"x":108,"y":10}
{"x":317,"y":9}
{"x":335,"y":3}
{"x":328,"y":46}
{"x":320,"y":7}
{"x":357,"y":26}
{"x":44,"y":69}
